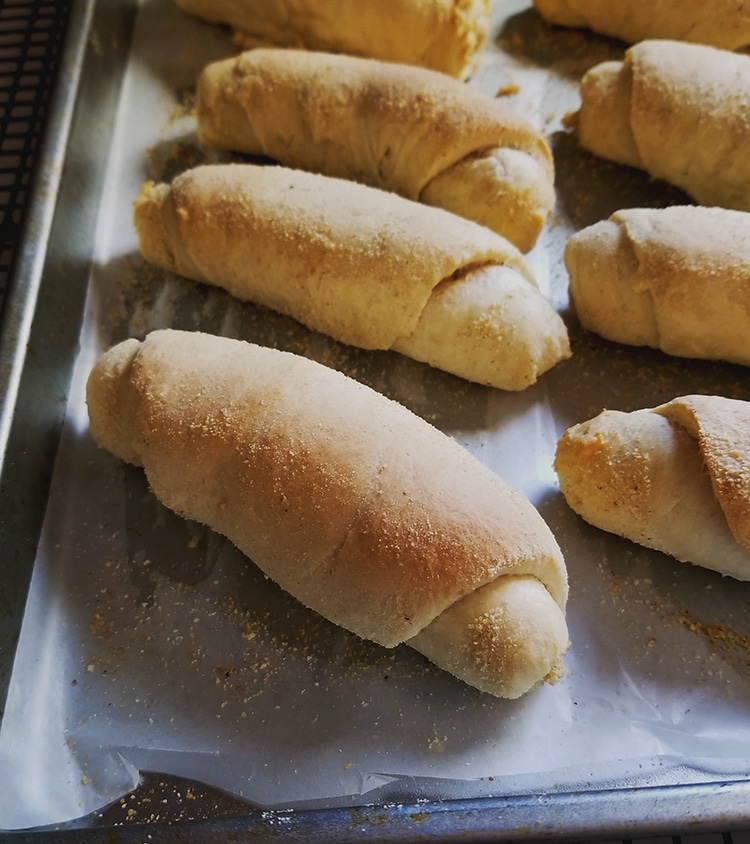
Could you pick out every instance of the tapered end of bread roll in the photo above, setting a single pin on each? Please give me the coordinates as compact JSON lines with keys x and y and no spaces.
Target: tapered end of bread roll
{"x":508,"y":190}
{"x":112,"y":402}
{"x":491,"y":326}
{"x":221,"y":110}
{"x":454,"y":45}
{"x":157,"y":222}
{"x":602,"y":266}
{"x":603,"y":122}
{"x":506,"y":638}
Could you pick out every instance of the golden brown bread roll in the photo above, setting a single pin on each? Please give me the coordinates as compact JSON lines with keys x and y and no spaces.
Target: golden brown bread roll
{"x":361,"y":265}
{"x":676,"y":279}
{"x":720,"y":23}
{"x":440,"y":34}
{"x":675,"y":478}
{"x":418,"y":133}
{"x":681,"y":112}
{"x":357,"y":507}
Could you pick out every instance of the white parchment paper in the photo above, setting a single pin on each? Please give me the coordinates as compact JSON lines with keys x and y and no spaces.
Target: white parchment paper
{"x":150,"y":643}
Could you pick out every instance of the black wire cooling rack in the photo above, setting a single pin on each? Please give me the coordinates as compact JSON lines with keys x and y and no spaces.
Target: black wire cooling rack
{"x":32,"y":33}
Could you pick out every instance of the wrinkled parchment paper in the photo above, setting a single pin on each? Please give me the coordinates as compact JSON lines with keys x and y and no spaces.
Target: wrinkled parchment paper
{"x":150,"y":643}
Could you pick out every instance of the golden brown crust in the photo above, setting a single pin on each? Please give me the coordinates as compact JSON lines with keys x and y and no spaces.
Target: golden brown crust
{"x":675,"y":278}
{"x":357,"y":507}
{"x":440,"y":34}
{"x":356,"y":263}
{"x":720,"y":23}
{"x":400,"y":128}
{"x":688,"y":111}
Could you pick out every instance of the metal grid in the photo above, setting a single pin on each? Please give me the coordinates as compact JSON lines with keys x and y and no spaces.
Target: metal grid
{"x":32,"y":33}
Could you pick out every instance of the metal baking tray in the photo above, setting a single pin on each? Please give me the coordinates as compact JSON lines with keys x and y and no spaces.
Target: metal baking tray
{"x":48,"y":306}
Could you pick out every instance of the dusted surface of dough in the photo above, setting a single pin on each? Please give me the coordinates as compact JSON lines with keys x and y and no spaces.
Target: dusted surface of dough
{"x":681,"y":112}
{"x":500,"y":629}
{"x":357,"y":507}
{"x":720,"y":23}
{"x":675,"y":478}
{"x":356,"y":263}
{"x":485,"y":326}
{"x":676,"y":279}
{"x":406,"y":129}
{"x":445,"y":35}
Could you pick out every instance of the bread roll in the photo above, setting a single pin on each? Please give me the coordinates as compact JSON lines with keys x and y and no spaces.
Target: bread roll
{"x":405,"y":129}
{"x":681,"y":112}
{"x":440,"y":34}
{"x":720,"y":23}
{"x":675,"y":478}
{"x":357,"y":507}
{"x":361,"y":265}
{"x":676,"y":279}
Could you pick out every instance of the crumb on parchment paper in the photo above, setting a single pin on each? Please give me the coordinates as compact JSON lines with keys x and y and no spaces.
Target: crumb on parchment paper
{"x":724,"y":638}
{"x":509,"y":90}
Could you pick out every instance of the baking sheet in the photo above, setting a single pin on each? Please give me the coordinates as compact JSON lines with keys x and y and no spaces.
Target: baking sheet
{"x":149,"y":643}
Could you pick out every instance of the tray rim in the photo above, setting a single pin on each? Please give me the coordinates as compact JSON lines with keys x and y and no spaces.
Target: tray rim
{"x":682,"y":810}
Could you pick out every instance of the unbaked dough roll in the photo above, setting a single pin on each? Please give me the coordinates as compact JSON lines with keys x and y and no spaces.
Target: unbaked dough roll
{"x":444,"y":35}
{"x":675,"y":478}
{"x":357,"y":507}
{"x":681,"y":112}
{"x":720,"y":23}
{"x":676,"y":279}
{"x":359,"y":264}
{"x":405,"y":129}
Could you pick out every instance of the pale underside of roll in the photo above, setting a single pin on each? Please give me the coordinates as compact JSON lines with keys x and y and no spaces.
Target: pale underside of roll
{"x":681,"y":112}
{"x":364,"y":266}
{"x":675,"y":478}
{"x":719,"y":23}
{"x":413,"y":131}
{"x":443,"y":35}
{"x":358,"y":508}
{"x":676,"y":279}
